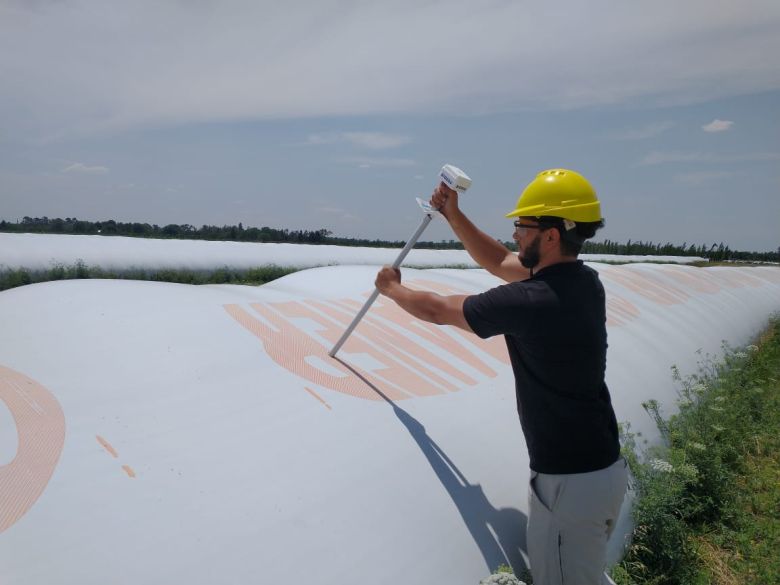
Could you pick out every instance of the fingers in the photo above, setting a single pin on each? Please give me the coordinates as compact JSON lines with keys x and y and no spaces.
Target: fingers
{"x":443,"y":198}
{"x":386,"y":277}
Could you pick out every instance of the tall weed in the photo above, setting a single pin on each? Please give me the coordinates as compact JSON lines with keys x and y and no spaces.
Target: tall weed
{"x":689,"y":486}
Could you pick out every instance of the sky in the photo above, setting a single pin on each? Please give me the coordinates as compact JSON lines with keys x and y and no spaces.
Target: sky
{"x":337,"y":114}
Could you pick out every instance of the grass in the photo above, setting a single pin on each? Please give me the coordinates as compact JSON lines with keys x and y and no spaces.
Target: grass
{"x":708,"y":500}
{"x":11,"y":278}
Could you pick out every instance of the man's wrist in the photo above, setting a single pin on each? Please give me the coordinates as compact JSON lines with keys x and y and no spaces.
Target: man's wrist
{"x":393,"y":290}
{"x":453,"y":216}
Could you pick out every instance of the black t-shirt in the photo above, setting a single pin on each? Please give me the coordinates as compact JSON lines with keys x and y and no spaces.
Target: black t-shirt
{"x":555,"y":329}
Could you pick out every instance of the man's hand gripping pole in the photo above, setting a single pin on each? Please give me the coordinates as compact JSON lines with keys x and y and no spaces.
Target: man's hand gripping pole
{"x":456,"y":180}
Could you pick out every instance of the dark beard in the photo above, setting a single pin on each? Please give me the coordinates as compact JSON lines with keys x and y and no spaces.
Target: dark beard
{"x":530,"y":257}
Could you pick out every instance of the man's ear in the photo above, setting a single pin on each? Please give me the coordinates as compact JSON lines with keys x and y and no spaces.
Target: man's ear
{"x":553,"y":239}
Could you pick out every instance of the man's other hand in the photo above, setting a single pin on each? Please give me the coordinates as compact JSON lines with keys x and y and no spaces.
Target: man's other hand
{"x":386,"y":278}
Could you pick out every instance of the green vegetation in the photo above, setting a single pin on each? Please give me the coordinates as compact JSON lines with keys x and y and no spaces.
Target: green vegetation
{"x":708,"y":500}
{"x":11,"y":278}
{"x":238,"y":233}
{"x":716,"y":252}
{"x":44,"y":225}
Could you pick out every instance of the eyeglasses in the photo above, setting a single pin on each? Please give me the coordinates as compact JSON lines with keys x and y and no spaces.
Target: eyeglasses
{"x":522,"y":228}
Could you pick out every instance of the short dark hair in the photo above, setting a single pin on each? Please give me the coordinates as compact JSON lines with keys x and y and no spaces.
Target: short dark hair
{"x":572,"y":239}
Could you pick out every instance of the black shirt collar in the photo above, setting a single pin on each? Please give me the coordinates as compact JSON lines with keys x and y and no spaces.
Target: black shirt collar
{"x":559,"y":268}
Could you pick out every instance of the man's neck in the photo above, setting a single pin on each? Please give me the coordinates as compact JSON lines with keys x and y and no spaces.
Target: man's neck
{"x":554,"y":259}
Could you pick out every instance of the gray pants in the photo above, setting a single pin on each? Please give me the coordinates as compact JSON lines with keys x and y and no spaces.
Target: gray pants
{"x":570,"y":519}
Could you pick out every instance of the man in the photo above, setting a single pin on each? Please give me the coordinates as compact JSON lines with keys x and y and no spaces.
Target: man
{"x":552,"y":314}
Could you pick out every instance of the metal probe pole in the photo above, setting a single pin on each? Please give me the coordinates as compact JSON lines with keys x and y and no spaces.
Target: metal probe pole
{"x":412,"y":241}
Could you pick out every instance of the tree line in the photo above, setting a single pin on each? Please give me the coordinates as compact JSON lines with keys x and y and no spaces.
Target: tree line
{"x":717,"y":251}
{"x":45,"y":225}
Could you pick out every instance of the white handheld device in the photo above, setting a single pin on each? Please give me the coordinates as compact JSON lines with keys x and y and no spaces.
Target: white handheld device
{"x":454,"y":178}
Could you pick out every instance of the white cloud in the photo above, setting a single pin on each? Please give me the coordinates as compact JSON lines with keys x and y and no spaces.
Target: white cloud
{"x":365,"y":162}
{"x":702,"y":177}
{"x":86,"y":170}
{"x":319,"y":139}
{"x":643,"y":132}
{"x":115,"y":67}
{"x":657,"y":157}
{"x":376,"y":140}
{"x":369,"y":140}
{"x":718,"y":126}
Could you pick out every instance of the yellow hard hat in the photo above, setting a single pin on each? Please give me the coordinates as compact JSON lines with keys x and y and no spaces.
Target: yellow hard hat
{"x":559,"y":193}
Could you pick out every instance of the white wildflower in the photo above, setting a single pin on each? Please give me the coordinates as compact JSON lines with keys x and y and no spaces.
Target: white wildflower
{"x":661,"y":465}
{"x":740,"y":354}
{"x":752,"y":348}
{"x":699,"y":388}
{"x":501,"y":579}
{"x":688,"y":470}
{"x":698,"y":446}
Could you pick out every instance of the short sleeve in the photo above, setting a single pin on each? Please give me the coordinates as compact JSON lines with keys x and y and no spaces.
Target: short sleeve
{"x":500,"y":310}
